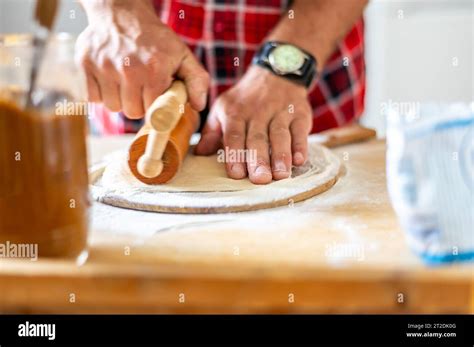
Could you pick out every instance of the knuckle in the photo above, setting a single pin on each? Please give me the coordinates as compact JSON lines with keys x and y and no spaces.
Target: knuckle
{"x":225,"y":101}
{"x":299,"y":141}
{"x":300,"y":124}
{"x":279,"y":130}
{"x":152,"y":67}
{"x":106,"y":66}
{"x":204,"y":77}
{"x":283,"y":156}
{"x":132,"y":73}
{"x":84,"y":61}
{"x":302,"y":106}
{"x":233,"y":135}
{"x":307,"y":119}
{"x":299,"y":146}
{"x":258,"y":137}
{"x":157,"y":85}
{"x":230,"y":108}
{"x":103,"y":62}
{"x":306,"y":110}
{"x":260,"y":161}
{"x":152,"y":59}
{"x":129,"y":73}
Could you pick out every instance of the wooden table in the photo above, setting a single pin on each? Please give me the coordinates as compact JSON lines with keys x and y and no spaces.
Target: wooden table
{"x":341,"y":251}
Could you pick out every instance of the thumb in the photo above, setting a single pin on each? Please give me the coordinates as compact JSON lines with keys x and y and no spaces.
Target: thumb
{"x":211,"y":137}
{"x":196,"y":80}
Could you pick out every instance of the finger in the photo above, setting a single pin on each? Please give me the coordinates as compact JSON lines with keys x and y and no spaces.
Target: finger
{"x":82,"y":60}
{"x":299,"y":129}
{"x":131,"y":99}
{"x":154,"y":89}
{"x":211,"y":136}
{"x":110,"y":92}
{"x":196,"y":80}
{"x":93,"y":90}
{"x":280,"y":140}
{"x":234,"y":145}
{"x":155,"y":85}
{"x":257,"y":148}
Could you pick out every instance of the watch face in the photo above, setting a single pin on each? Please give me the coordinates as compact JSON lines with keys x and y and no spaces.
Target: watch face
{"x":286,"y":59}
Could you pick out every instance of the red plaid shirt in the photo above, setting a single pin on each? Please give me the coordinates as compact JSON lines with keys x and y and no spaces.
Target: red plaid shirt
{"x":218,"y":31}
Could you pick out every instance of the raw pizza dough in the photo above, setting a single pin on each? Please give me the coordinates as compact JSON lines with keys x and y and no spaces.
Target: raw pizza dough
{"x":202,"y":185}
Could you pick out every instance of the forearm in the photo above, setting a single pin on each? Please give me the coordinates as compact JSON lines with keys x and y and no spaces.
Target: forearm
{"x":318,"y":25}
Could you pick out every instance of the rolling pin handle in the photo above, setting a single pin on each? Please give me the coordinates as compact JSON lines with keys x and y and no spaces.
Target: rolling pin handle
{"x":163,"y":116}
{"x":150,"y":164}
{"x":149,"y":167}
{"x":160,"y":146}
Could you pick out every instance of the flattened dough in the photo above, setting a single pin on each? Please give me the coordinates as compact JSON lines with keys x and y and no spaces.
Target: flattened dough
{"x":202,"y":185}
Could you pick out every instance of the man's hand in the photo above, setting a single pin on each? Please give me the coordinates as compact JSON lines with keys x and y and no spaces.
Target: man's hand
{"x":265,"y":114}
{"x":130,"y":57}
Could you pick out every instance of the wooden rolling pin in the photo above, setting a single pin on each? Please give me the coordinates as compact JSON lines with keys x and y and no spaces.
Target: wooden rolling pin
{"x":159,"y":148}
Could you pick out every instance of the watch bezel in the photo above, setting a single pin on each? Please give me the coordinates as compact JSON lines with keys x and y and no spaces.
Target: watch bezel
{"x":271,"y":60}
{"x":306,"y":74}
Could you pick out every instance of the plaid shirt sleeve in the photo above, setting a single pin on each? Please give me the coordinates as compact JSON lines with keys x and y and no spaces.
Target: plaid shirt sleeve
{"x":225,"y":34}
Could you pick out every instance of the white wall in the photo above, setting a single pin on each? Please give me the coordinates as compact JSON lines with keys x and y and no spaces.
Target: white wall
{"x":417,"y":50}
{"x":16,"y":15}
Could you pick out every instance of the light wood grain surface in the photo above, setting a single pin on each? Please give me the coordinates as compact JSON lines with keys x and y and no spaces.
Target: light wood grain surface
{"x":342,"y":251}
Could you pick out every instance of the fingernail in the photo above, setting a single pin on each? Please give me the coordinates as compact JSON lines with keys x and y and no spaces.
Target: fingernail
{"x":262,"y":170}
{"x":299,"y":157}
{"x":280,"y":167}
{"x":237,"y":170}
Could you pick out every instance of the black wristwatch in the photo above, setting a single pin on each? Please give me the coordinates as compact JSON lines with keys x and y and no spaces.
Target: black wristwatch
{"x":288,"y":61}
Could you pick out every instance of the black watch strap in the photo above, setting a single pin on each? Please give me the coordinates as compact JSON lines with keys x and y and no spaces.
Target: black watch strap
{"x":307,"y":73}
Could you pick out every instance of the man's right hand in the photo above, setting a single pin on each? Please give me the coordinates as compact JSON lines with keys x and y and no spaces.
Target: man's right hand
{"x":130,"y":57}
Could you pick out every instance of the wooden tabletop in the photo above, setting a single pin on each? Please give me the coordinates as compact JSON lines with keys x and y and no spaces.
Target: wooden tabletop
{"x":342,"y":251}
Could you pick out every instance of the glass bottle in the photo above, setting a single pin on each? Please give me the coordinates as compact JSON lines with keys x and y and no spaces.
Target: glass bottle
{"x":44,"y":196}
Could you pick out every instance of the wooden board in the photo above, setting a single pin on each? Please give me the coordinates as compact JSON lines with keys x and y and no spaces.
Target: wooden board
{"x":271,"y":261}
{"x":265,"y":196}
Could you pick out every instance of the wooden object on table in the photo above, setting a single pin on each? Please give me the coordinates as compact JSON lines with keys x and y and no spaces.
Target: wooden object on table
{"x":161,"y":145}
{"x":248,"y":262}
{"x":346,"y":135}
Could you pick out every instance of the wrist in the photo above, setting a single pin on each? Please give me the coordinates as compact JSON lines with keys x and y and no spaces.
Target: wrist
{"x":259,"y":75}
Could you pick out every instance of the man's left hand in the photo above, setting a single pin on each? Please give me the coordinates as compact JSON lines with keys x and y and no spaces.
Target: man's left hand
{"x":264,"y":114}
